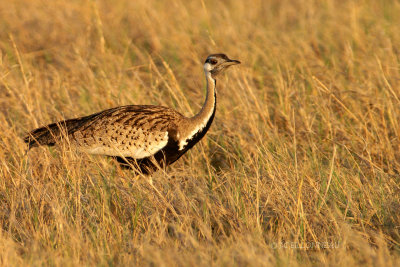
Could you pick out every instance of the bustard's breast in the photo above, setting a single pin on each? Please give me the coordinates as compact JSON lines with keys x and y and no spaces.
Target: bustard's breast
{"x":194,"y":129}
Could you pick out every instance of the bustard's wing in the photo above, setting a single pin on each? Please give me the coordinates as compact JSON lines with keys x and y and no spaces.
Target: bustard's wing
{"x":127,"y":131}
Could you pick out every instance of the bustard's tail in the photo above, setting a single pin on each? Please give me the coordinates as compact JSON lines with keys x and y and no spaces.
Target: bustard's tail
{"x":53,"y":133}
{"x":49,"y":135}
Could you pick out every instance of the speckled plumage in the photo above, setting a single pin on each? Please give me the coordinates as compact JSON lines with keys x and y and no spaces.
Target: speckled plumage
{"x":138,"y":136}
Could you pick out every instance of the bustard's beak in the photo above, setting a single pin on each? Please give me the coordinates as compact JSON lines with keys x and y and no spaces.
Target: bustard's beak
{"x":233,"y":62}
{"x":230,"y":62}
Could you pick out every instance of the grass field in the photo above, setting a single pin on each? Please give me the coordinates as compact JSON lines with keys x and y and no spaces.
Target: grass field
{"x":300,"y":167}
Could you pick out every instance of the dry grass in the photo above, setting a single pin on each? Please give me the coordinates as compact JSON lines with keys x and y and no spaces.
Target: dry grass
{"x":305,"y":146}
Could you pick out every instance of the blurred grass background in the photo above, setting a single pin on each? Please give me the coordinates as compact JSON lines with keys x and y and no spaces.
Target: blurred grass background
{"x":304,"y":147}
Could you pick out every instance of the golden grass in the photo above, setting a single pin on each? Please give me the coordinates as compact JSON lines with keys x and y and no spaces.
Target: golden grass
{"x":301,"y":166}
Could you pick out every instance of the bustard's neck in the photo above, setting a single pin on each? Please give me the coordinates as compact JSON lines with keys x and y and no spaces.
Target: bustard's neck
{"x":209,"y":105}
{"x":201,"y":122}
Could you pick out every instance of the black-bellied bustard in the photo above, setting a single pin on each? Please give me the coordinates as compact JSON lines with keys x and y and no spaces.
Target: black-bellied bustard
{"x":138,"y":135}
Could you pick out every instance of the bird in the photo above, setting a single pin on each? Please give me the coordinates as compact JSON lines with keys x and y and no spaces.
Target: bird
{"x":140,"y":137}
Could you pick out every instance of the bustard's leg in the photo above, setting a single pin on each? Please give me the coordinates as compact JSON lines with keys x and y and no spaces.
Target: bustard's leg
{"x":145,"y":166}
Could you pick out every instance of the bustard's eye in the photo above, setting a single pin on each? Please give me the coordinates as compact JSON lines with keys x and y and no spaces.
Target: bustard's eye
{"x":212,"y":61}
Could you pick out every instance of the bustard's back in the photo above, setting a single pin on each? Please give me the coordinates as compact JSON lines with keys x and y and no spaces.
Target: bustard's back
{"x":139,"y":136}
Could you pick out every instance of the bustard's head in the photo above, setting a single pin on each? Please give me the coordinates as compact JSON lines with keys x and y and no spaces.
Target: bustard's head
{"x":216,"y":63}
